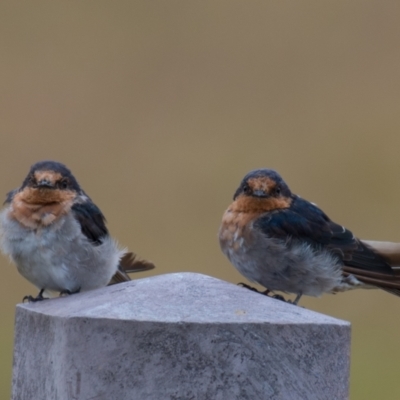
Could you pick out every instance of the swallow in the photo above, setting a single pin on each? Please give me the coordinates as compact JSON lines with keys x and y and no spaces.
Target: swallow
{"x":57,"y":236}
{"x":285,"y":243}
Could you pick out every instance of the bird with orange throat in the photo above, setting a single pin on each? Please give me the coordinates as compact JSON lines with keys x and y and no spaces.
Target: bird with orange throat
{"x":57,"y":236}
{"x":285,"y":243}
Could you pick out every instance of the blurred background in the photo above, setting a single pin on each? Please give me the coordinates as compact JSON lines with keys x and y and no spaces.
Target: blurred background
{"x":160,"y":108}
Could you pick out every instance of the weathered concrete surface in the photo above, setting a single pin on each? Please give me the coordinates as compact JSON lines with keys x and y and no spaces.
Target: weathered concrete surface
{"x":177,"y":336}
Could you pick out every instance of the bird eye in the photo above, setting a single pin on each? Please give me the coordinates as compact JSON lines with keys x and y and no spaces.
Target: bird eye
{"x":64,"y":184}
{"x":278,"y":190}
{"x":246,"y":189}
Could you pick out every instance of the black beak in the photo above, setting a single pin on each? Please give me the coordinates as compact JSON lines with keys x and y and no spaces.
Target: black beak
{"x":44,"y":183}
{"x":259,"y":193}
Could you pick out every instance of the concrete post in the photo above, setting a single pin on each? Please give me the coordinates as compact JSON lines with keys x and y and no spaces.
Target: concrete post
{"x":177,"y":336}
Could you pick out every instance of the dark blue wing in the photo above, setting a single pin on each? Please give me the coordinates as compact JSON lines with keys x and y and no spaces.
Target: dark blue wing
{"x":306,"y":222}
{"x":91,"y":220}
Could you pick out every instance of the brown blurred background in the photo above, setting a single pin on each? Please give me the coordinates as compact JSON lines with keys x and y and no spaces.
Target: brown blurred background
{"x":160,"y":108}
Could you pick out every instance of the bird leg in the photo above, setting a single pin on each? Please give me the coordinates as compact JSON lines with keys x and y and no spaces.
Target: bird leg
{"x":296,"y":300}
{"x":39,"y":297}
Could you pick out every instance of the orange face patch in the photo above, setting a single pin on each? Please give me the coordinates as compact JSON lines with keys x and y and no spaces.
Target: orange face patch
{"x":257,"y":205}
{"x":34,"y":208}
{"x":49,"y":176}
{"x":43,"y":196}
{"x":262,"y":183}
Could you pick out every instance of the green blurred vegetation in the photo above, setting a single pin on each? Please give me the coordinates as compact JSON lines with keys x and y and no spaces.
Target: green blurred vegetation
{"x":159,"y":108}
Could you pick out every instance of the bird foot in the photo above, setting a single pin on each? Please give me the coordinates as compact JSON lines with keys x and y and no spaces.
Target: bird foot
{"x":253,"y":289}
{"x":32,"y":299}
{"x":265,"y":292}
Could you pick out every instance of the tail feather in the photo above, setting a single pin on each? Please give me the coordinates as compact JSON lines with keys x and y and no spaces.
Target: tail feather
{"x":130,"y":263}
{"x":389,"y":282}
{"x":386,"y":282}
{"x":389,"y":250}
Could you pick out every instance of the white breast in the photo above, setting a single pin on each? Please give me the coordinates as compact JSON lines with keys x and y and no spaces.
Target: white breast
{"x":59,"y":257}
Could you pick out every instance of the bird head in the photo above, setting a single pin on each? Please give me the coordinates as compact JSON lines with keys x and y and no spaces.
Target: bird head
{"x":49,"y":182}
{"x":264,"y":190}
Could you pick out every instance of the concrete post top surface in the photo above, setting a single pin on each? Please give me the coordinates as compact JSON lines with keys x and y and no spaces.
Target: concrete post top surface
{"x":179,"y":297}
